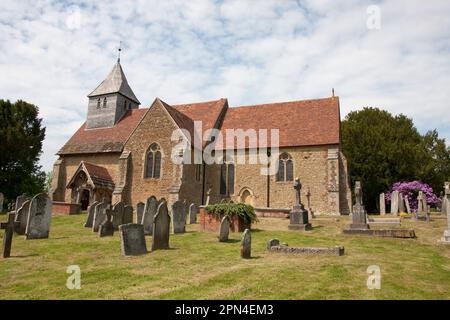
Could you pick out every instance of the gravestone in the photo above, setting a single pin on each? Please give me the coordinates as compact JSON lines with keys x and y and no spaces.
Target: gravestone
{"x":20,"y":200}
{"x":132,"y":239}
{"x":408,"y":207}
{"x":140,"y":207}
{"x":106,"y":228}
{"x":99,"y":215}
{"x":39,"y":217}
{"x":359,"y":216}
{"x":394,"y":202}
{"x":91,"y":213}
{"x":446,"y":237}
{"x":246,"y":244}
{"x":273,"y":243}
{"x":2,"y":199}
{"x":117,"y":215}
{"x":224,"y":229}
{"x":382,"y":204}
{"x":298,"y":216}
{"x":444,"y":198}
{"x":308,"y":198}
{"x":422,"y":212}
{"x":161,"y":227}
{"x":149,"y":213}
{"x":9,"y":227}
{"x":193,"y":210}
{"x":179,"y":217}
{"x":401,"y":203}
{"x":22,"y":218}
{"x":127,"y":215}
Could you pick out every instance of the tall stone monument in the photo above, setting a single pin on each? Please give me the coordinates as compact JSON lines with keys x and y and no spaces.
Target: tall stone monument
{"x":359,"y":216}
{"x":394,"y":203}
{"x":298,"y":215}
{"x":382,"y":204}
{"x":446,"y":238}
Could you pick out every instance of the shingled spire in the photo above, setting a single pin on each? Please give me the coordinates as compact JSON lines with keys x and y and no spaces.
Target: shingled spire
{"x":110,"y":100}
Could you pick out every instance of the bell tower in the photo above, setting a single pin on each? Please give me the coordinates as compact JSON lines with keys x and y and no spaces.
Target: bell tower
{"x":110,"y":100}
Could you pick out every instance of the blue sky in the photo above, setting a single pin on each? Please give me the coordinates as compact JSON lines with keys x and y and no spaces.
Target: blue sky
{"x":54,"y":53}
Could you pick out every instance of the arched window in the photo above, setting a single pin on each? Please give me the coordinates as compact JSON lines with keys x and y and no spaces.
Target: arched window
{"x":285,"y":168}
{"x":227,"y":177}
{"x":125,"y":105}
{"x":98,"y":103}
{"x":104,"y":102}
{"x":153,"y":162}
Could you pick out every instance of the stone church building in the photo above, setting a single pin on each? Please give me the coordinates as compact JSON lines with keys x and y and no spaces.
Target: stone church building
{"x":123,"y":153}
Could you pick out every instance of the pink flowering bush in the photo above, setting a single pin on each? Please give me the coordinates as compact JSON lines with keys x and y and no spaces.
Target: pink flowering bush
{"x":411,"y":191}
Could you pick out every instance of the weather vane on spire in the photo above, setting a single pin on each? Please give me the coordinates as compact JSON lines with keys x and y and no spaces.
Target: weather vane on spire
{"x":120,"y":49}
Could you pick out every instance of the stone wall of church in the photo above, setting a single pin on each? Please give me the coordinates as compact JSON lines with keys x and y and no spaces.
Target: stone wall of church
{"x":311,"y":164}
{"x":71,"y":163}
{"x":176,"y":182}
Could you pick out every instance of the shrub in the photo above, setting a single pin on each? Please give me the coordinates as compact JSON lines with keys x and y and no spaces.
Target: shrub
{"x":241,"y":210}
{"x":410,"y":189}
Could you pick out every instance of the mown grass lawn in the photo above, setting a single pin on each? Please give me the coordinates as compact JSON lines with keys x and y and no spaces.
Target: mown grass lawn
{"x":199,"y":267}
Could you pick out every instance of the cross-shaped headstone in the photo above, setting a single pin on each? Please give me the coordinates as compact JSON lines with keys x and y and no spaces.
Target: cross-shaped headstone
{"x":9,"y":231}
{"x":298,"y":188}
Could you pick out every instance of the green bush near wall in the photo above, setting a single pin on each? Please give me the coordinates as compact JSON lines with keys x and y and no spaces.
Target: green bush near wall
{"x":241,"y":210}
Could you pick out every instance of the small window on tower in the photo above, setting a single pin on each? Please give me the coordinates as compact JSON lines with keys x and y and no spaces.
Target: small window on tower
{"x":98,"y":103}
{"x":104,"y":102}
{"x":125,"y":105}
{"x":129,"y":106}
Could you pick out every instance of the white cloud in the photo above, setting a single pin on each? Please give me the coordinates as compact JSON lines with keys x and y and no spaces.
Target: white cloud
{"x":53,"y":54}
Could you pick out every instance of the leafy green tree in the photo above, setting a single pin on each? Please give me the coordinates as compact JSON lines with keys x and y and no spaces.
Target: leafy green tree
{"x":21,"y":137}
{"x":381,"y":149}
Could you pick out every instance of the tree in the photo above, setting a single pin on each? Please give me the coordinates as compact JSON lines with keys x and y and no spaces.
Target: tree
{"x":21,"y":136}
{"x":381,"y":149}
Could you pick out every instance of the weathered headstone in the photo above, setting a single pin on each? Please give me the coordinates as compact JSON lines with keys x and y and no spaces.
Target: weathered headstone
{"x":91,"y":213}
{"x":149,"y":213}
{"x":2,"y":199}
{"x":408,"y":207}
{"x":224,"y":229}
{"x":106,"y":228}
{"x":298,"y":216}
{"x":446,"y":237}
{"x":179,"y":217}
{"x":99,"y":215}
{"x":127,"y":215}
{"x":140,"y":207}
{"x":382,"y":204}
{"x":401,"y":203}
{"x":132,"y":239}
{"x":161,"y":227}
{"x":117,"y":215}
{"x":20,"y":200}
{"x":309,"y":209}
{"x":193,"y":210}
{"x":359,"y":216}
{"x":423,"y":212}
{"x":8,"y":226}
{"x":273,"y":243}
{"x":22,"y":217}
{"x":39,"y":217}
{"x":246,"y":245}
{"x":394,"y":202}
{"x":444,"y":198}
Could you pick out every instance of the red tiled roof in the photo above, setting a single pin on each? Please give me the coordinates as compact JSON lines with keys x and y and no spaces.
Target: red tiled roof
{"x":103,"y":139}
{"x":97,"y":172}
{"x":300,"y":123}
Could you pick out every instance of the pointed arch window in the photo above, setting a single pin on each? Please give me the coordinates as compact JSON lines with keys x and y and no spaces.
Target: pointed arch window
{"x":285,"y":168}
{"x":104,"y":102}
{"x":153,"y":162}
{"x":227,"y":177}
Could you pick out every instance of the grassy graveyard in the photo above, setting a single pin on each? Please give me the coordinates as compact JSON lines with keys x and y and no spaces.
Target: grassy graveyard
{"x":200,"y":267}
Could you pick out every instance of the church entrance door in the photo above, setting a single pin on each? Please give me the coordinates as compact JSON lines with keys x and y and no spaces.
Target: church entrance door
{"x":85,"y":199}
